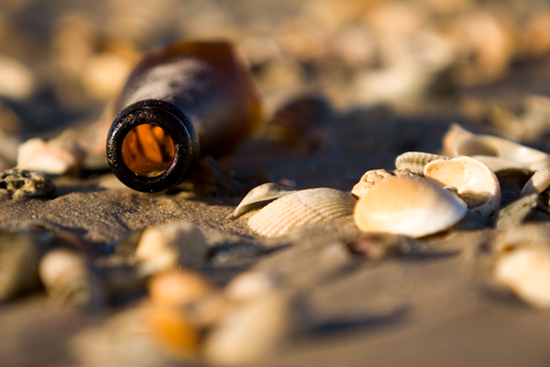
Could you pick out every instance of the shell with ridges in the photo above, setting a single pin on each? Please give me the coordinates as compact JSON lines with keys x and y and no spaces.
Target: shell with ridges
{"x":260,"y":196}
{"x":416,"y":161}
{"x":475,"y":183}
{"x":410,"y":206}
{"x":301,"y":208}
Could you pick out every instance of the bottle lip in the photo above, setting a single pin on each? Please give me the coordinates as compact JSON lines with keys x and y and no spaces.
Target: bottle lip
{"x":175,"y":123}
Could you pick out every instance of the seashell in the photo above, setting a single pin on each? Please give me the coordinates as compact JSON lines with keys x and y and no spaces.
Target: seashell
{"x":526,"y":271}
{"x":416,"y":161}
{"x":68,"y":278}
{"x":250,"y":285}
{"x":21,"y":184}
{"x":304,"y":207}
{"x":475,"y":183}
{"x":178,"y":288}
{"x":410,"y":206}
{"x":19,"y":257}
{"x":538,"y":183}
{"x":261,"y":196}
{"x":251,"y":331}
{"x":168,"y":247}
{"x":453,"y":136}
{"x":58,"y":156}
{"x":495,"y":152}
{"x":371,"y":178}
{"x":17,"y":80}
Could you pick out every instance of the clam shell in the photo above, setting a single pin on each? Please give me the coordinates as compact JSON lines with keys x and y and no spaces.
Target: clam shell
{"x":526,"y":271}
{"x":261,"y":196}
{"x":301,"y":208}
{"x":475,"y":183}
{"x":495,"y":152}
{"x":410,"y":206}
{"x":416,"y":161}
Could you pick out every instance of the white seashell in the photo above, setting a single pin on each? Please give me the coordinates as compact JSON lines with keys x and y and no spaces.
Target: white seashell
{"x":168,"y":247}
{"x":495,"y":152}
{"x":475,"y":183}
{"x":526,"y":271}
{"x":416,"y":161}
{"x":410,"y":206}
{"x":301,"y":208}
{"x":453,"y":136}
{"x":250,"y":285}
{"x":372,"y":177}
{"x":261,"y":196}
{"x":251,"y":331}
{"x":57,"y":156}
{"x":538,"y":183}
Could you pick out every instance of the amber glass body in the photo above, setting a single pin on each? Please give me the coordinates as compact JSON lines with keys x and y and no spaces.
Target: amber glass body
{"x":188,"y":100}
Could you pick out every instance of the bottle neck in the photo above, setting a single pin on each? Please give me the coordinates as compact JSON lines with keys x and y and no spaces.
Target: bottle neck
{"x":152,"y":146}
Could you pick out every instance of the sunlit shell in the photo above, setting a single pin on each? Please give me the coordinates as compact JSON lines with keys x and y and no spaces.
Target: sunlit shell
{"x":495,"y":152}
{"x":372,"y":177}
{"x":475,"y":183}
{"x":261,"y":196}
{"x":526,"y":271}
{"x":178,"y":288}
{"x":538,"y":183}
{"x":301,"y":208}
{"x":416,"y":161}
{"x":411,"y":206}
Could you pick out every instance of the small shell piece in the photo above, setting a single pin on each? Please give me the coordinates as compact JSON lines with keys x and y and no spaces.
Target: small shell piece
{"x":537,"y":183}
{"x":261,"y":196}
{"x":416,"y":161}
{"x":497,"y":153}
{"x":168,"y":247}
{"x":301,"y":208}
{"x":475,"y":183}
{"x":178,"y":288}
{"x":526,"y":271}
{"x":372,"y":177}
{"x":410,"y":206}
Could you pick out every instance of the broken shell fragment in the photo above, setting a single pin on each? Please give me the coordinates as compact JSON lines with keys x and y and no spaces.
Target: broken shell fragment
{"x":305,"y":207}
{"x":372,"y":177}
{"x":410,"y":206}
{"x":526,"y":271}
{"x":261,"y":196}
{"x":538,"y":183}
{"x":178,"y":288}
{"x":497,"y":153}
{"x":168,"y":247}
{"x":416,"y":161}
{"x":474,"y":182}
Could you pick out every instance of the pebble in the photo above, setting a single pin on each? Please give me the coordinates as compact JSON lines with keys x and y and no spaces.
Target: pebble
{"x":178,"y":288}
{"x":19,"y":184}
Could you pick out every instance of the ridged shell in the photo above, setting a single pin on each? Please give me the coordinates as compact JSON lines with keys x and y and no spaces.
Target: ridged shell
{"x":301,"y":208}
{"x":261,"y":196}
{"x":410,"y":206}
{"x":495,"y":152}
{"x":475,"y":183}
{"x":416,"y":161}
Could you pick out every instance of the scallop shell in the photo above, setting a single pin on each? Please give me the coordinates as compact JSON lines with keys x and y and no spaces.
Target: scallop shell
{"x":261,"y":196}
{"x":495,"y":152}
{"x":475,"y":183}
{"x":526,"y":271}
{"x":410,"y":206}
{"x":538,"y":183}
{"x":301,"y":208}
{"x":416,"y":161}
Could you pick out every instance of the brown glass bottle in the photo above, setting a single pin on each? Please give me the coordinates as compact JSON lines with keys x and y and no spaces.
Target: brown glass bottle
{"x":188,"y":100}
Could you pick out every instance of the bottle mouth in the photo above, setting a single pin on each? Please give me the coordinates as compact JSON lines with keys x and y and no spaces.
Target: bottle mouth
{"x":151,"y":146}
